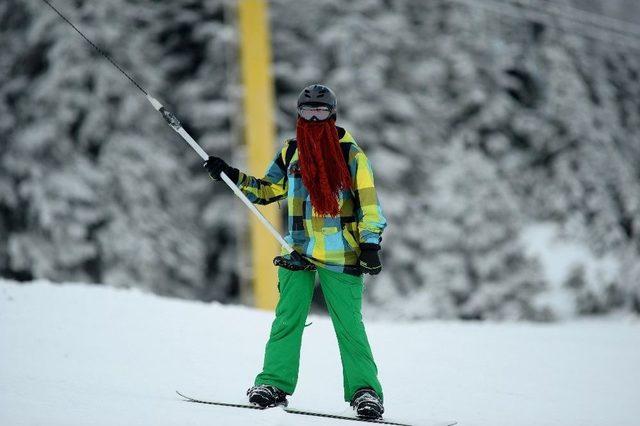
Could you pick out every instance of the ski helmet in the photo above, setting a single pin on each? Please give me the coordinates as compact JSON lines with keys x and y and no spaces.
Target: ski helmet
{"x":318,"y":94}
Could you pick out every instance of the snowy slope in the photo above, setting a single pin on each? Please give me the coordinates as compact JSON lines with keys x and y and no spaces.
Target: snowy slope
{"x":87,"y":355}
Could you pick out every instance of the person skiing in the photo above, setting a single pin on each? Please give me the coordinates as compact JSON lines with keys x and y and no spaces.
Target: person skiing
{"x":335,"y":223}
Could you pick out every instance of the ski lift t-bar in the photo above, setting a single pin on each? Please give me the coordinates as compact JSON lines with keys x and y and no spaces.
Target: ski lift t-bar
{"x":173,"y":121}
{"x":175,"y":125}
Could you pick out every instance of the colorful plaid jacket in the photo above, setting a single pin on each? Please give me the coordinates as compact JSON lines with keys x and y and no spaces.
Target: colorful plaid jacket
{"x":330,"y":242}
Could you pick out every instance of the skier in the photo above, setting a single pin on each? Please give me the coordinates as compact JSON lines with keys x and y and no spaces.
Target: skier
{"x":335,"y":222}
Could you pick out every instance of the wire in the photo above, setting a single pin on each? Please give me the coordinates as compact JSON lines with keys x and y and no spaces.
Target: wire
{"x":604,"y":23}
{"x":613,"y":24}
{"x":577,"y":16}
{"x":97,"y":48}
{"x":524,"y":13}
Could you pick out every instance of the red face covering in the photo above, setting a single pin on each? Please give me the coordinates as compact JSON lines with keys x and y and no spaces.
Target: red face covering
{"x":322,"y":166}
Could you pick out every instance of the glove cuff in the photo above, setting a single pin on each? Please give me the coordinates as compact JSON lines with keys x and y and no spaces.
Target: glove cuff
{"x":369,"y":247}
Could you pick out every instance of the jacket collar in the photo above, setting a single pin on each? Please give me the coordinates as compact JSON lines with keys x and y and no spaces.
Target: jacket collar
{"x":344,"y":136}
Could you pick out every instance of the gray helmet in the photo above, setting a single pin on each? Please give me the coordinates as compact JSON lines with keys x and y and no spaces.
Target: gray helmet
{"x":319,"y":95}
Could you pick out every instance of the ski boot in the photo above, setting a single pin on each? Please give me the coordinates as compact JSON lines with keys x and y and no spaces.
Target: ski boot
{"x":367,"y":404}
{"x":267,"y":396}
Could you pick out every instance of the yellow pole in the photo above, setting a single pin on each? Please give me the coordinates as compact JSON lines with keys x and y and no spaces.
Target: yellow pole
{"x":259,"y":130}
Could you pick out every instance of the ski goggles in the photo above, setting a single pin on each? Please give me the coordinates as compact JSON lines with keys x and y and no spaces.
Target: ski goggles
{"x":315,"y":112}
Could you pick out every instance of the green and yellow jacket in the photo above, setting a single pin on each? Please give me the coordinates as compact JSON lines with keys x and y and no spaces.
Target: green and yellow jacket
{"x":330,"y":242}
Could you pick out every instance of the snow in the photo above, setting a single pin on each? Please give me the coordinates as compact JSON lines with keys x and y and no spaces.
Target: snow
{"x":560,"y":257}
{"x":91,"y":355}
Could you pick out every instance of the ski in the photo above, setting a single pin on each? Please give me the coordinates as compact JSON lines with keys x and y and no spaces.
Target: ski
{"x":300,"y":412}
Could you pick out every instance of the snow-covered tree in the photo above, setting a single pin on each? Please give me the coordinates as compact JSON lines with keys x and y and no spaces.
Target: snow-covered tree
{"x":478,"y":125}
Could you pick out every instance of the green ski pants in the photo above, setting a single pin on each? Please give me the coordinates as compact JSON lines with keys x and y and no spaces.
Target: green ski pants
{"x":343,"y":294}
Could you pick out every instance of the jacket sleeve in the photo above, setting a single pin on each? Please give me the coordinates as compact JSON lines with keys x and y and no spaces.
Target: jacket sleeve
{"x":371,"y":221}
{"x":272,"y":187}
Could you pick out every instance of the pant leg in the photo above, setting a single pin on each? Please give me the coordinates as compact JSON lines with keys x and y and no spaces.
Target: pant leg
{"x":343,"y":294}
{"x":282,"y":354}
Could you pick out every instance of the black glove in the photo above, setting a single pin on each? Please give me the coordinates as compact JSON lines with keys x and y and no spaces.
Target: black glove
{"x":369,"y":259}
{"x":216,"y":165}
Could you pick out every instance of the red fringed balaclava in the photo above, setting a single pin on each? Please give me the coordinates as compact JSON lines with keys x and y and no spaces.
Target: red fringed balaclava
{"x":322,"y":166}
